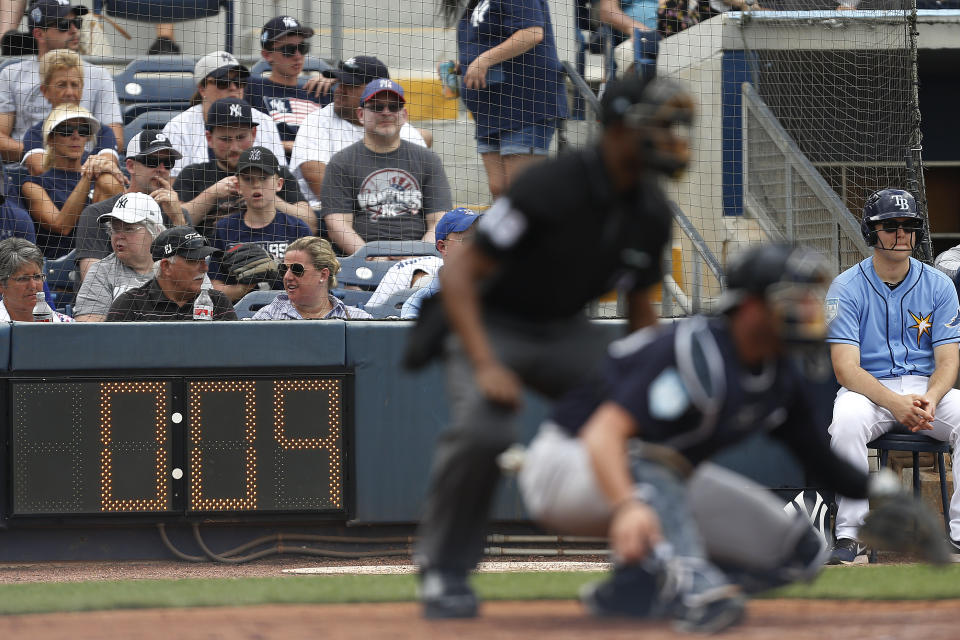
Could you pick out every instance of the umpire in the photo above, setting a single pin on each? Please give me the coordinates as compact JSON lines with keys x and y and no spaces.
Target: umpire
{"x":566,"y":232}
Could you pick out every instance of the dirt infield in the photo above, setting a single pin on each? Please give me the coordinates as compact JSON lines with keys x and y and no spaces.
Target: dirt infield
{"x":767,"y":619}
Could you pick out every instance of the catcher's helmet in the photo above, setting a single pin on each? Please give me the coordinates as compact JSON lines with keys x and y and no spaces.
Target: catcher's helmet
{"x":785,"y":276}
{"x":886,"y":204}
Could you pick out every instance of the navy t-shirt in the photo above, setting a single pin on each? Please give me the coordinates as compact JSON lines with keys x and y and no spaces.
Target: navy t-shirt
{"x":288,"y":106}
{"x":33,"y":139}
{"x":274,"y":237}
{"x":521,"y":91}
{"x":59,"y":184}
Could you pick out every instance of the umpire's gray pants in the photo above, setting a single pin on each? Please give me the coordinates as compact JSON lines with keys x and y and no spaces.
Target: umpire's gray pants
{"x":550,"y":358}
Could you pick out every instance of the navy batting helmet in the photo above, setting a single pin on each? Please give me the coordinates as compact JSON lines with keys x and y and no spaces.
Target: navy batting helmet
{"x":784,"y":276}
{"x":886,"y":204}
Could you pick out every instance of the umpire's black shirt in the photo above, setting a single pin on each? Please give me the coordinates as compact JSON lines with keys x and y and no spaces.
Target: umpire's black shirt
{"x":563,"y":236}
{"x":147,"y":303}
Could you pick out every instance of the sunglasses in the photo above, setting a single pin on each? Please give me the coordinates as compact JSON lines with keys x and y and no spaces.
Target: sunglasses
{"x":377,"y":107}
{"x":37,"y":277}
{"x":909,"y":226}
{"x":64,"y":24}
{"x":290,"y":50}
{"x":152,"y":162}
{"x":67,"y":130}
{"x":296,"y":269}
{"x":224,"y":83}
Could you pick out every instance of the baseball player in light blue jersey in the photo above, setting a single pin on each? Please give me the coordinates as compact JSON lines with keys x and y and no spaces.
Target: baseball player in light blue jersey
{"x":894,"y":325}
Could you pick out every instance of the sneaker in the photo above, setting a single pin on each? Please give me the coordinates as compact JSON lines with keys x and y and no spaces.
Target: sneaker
{"x":955,"y":545}
{"x":163,"y":46}
{"x":446,"y":594}
{"x":630,"y":593}
{"x":845,"y":551}
{"x":700,"y":598}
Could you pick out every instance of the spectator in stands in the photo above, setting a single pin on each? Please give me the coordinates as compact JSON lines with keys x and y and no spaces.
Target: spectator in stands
{"x":11,"y":13}
{"x":209,"y":189}
{"x":893,"y":334}
{"x":57,"y":197}
{"x":283,"y":42}
{"x":132,"y":224}
{"x":54,"y":26}
{"x":21,"y":278}
{"x":181,"y":254}
{"x":61,"y":73}
{"x":337,"y":125}
{"x":309,"y":271}
{"x":512,"y":81}
{"x":259,"y":181}
{"x":629,"y":19}
{"x":15,"y":222}
{"x":454,"y":231}
{"x":149,"y":159}
{"x":218,"y":75}
{"x":383,"y":187}
{"x":166,"y":43}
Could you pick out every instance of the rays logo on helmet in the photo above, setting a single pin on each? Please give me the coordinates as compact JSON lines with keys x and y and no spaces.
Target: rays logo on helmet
{"x":901,"y":202}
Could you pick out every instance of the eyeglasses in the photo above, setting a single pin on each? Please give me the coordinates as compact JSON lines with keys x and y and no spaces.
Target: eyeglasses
{"x":296,"y":269}
{"x":290,"y":50}
{"x":910,"y":226}
{"x":67,"y":130}
{"x":152,"y":162}
{"x":37,"y":277}
{"x":64,"y":24}
{"x":224,"y":83}
{"x":377,"y":107}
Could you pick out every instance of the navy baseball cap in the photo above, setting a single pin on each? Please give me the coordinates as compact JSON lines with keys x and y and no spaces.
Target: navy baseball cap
{"x":181,"y":241}
{"x":45,"y":12}
{"x":382,"y":85}
{"x":230,"y":112}
{"x":283,"y":26}
{"x":454,"y":221}
{"x":259,"y":158}
{"x":358,"y":70}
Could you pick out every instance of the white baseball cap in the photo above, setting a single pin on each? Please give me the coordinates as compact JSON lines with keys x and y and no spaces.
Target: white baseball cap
{"x":61,"y":113}
{"x":134,"y":207}
{"x":217,"y":64}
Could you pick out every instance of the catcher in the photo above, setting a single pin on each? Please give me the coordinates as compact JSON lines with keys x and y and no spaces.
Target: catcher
{"x":626,"y":457}
{"x":255,"y":240}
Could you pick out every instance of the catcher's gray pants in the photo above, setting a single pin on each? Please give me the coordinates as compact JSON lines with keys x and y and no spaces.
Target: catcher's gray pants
{"x":718,"y":514}
{"x":551,"y":358}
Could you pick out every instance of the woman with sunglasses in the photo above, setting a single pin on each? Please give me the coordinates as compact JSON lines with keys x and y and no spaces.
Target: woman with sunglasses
{"x":61,"y":73}
{"x":219,"y":75}
{"x":309,"y":271}
{"x":57,"y":197}
{"x":21,"y":278}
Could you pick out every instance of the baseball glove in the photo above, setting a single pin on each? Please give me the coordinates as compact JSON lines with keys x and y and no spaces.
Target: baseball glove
{"x":901,"y":522}
{"x":249,"y":263}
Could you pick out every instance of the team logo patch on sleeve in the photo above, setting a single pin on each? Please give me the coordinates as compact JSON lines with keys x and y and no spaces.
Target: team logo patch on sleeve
{"x":667,"y":396}
{"x":831,"y":307}
{"x":954,"y":322}
{"x":922,"y":324}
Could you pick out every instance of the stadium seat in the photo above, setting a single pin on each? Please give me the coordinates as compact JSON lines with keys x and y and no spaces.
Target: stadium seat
{"x":62,"y":279}
{"x":156,"y":79}
{"x":166,"y":11}
{"x":147,"y":120}
{"x":390,"y":308}
{"x":310,"y":64}
{"x":358,"y":271}
{"x":131,"y":111}
{"x":253,"y":302}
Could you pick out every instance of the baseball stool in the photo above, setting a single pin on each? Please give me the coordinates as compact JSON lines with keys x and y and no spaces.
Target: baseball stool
{"x":917,"y":444}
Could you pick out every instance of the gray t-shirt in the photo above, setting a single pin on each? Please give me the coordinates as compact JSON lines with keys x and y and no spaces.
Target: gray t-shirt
{"x":105,"y":281}
{"x":20,"y":94}
{"x":389,"y":194}
{"x":92,"y":239}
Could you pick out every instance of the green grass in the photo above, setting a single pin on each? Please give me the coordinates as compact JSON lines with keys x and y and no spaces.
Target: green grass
{"x":898,"y":582}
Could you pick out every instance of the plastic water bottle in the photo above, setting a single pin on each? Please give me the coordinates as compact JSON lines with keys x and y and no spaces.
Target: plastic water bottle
{"x":449,"y":80}
{"x":203,"y":306}
{"x":41,"y":310}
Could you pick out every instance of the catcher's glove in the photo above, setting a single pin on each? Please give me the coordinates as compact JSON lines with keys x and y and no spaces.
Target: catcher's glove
{"x":249,"y":263}
{"x":900,"y":522}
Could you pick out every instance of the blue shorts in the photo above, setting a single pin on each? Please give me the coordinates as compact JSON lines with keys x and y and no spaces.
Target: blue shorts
{"x":533,"y":139}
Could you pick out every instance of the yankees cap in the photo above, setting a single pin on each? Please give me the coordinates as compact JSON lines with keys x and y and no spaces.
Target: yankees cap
{"x":150,"y":141}
{"x":259,"y":158}
{"x":382,"y":85}
{"x":358,"y":70}
{"x":181,"y":241}
{"x":134,"y":207}
{"x":217,"y":65}
{"x":230,"y":112}
{"x":283,"y":26}
{"x":45,"y":12}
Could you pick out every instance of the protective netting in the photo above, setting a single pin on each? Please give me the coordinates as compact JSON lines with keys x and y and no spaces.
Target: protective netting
{"x":829,"y":117}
